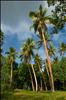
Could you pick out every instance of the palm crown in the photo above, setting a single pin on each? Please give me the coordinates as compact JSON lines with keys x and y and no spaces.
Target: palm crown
{"x":27,"y":49}
{"x":38,"y":60}
{"x":11,"y":54}
{"x":39,"y":20}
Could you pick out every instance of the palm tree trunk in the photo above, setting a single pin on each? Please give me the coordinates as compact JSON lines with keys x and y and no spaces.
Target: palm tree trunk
{"x":45,"y":86}
{"x":33,"y":88}
{"x":43,"y":79}
{"x":44,"y":82}
{"x":40,"y":77}
{"x":47,"y":69}
{"x":49,"y":63}
{"x":35,"y":77}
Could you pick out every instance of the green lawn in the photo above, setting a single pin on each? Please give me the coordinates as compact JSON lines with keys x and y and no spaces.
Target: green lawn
{"x":29,"y":95}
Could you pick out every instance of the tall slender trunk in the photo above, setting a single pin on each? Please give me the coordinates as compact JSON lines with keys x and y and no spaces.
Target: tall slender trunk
{"x":44,"y":82}
{"x":11,"y":75}
{"x":49,"y":63}
{"x":43,"y":79}
{"x":45,"y":86}
{"x":47,"y":69}
{"x":40,"y":78}
{"x":31,"y":80}
{"x":35,"y":77}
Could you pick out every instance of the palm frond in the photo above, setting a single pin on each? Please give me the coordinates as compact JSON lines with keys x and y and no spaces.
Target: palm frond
{"x":32,"y":14}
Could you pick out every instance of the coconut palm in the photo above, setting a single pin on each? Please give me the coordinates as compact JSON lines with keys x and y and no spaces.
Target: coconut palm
{"x":38,"y":62}
{"x":11,"y":58}
{"x":39,"y":24}
{"x":26,"y":55}
{"x":62,"y":50}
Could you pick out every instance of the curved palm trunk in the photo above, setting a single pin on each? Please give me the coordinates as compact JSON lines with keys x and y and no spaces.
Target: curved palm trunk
{"x":44,"y":82}
{"x":41,"y":80}
{"x":35,"y":77}
{"x":49,"y":63}
{"x":33,"y":88}
{"x":47,"y":69}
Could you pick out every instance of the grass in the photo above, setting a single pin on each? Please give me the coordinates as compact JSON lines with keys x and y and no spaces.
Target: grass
{"x":29,"y":95}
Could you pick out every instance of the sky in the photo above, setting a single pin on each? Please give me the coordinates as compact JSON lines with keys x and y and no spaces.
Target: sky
{"x":15,"y":23}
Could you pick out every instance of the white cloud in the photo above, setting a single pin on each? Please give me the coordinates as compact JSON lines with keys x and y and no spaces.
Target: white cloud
{"x":22,"y":30}
{"x":21,"y":27}
{"x":6,"y":28}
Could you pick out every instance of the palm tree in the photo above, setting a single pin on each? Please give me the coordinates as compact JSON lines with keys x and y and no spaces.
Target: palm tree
{"x":39,"y":24}
{"x":38,"y":62}
{"x":62,"y":51}
{"x":11,"y":58}
{"x":26,"y":55}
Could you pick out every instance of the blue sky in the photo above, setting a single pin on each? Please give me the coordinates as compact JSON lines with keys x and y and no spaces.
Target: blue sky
{"x":15,"y":23}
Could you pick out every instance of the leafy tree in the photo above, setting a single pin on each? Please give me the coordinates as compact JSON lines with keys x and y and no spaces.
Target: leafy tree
{"x":57,"y":73}
{"x":5,"y":76}
{"x":58,"y":15}
{"x":23,"y":77}
{"x":1,"y":56}
{"x":53,"y":2}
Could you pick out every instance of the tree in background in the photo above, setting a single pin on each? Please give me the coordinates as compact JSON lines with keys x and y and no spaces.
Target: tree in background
{"x":5,"y":75}
{"x":58,"y":15}
{"x":26,"y":56}
{"x":11,"y":58}
{"x":38,"y":63}
{"x":23,"y":81}
{"x":1,"y":56}
{"x":62,"y":50}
